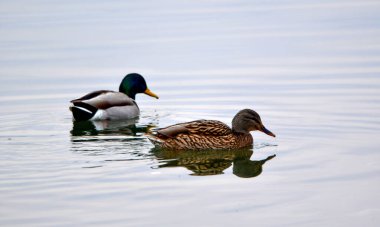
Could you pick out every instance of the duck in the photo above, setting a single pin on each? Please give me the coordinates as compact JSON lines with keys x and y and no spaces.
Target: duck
{"x":210,"y":134}
{"x":112,"y":105}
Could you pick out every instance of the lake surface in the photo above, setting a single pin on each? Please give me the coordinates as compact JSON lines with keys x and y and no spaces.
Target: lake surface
{"x":310,"y":69}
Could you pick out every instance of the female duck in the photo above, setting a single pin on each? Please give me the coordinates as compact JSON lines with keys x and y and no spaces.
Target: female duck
{"x":112,"y":105}
{"x":210,"y":134}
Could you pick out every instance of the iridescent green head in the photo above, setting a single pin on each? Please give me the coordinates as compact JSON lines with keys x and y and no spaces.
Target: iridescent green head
{"x":133,"y":84}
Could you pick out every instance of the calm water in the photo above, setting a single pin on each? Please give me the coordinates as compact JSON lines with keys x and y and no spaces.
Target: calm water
{"x":310,"y":69}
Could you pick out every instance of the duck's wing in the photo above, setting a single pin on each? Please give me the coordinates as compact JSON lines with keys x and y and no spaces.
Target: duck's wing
{"x":91,"y":95}
{"x":199,"y":127}
{"x":104,"y":99}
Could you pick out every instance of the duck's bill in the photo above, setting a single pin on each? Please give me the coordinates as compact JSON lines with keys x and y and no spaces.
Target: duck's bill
{"x":266,"y":131}
{"x":150,"y":93}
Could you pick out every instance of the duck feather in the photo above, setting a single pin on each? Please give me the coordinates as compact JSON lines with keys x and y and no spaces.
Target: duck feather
{"x":104,"y":99}
{"x":199,"y":127}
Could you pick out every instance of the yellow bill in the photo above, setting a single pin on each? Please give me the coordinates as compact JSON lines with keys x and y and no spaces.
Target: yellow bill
{"x":150,"y":93}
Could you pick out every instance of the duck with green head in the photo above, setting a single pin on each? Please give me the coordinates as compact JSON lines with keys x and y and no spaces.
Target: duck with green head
{"x":210,"y":134}
{"x":112,"y":105}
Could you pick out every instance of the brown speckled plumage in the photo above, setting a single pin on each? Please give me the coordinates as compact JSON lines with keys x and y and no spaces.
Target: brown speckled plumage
{"x":208,"y":134}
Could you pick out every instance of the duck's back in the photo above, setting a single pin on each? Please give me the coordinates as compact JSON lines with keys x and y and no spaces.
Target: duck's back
{"x":105,"y":99}
{"x":199,"y":127}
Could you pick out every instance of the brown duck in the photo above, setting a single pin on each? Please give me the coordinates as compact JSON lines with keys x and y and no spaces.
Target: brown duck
{"x":210,"y":134}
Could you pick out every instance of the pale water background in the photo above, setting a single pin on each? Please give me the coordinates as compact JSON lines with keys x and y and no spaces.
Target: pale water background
{"x":310,"y":68}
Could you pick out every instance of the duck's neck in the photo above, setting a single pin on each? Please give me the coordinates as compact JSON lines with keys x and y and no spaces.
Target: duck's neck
{"x":131,"y":95}
{"x":243,"y":139}
{"x":128,"y":92}
{"x":128,"y":89}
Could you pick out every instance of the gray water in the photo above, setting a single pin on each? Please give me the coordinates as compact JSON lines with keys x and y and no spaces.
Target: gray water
{"x":310,"y":68}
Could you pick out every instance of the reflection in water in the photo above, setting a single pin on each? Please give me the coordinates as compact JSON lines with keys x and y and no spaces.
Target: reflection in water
{"x":212,"y":162}
{"x":106,"y":127}
{"x":247,"y":168}
{"x":110,"y":141}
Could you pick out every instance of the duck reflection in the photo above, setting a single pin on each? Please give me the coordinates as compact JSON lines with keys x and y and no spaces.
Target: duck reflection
{"x":109,"y":141}
{"x":246,"y":168}
{"x":106,"y":127}
{"x":213,"y":162}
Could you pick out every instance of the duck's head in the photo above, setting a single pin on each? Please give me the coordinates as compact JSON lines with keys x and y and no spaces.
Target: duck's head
{"x":133,"y":84}
{"x":248,"y":120}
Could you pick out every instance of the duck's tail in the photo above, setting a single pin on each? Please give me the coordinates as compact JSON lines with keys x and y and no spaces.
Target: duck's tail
{"x":83,"y":111}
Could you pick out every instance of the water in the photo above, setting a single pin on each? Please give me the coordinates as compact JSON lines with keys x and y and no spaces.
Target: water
{"x":310,"y":69}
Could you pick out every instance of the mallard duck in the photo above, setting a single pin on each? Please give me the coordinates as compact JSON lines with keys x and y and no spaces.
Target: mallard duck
{"x":210,"y":134}
{"x":112,"y":105}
